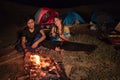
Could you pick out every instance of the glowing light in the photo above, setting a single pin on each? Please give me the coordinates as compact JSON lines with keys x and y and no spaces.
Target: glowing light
{"x":35,"y":59}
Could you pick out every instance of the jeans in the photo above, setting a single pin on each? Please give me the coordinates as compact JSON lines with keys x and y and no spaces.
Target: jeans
{"x":29,"y":44}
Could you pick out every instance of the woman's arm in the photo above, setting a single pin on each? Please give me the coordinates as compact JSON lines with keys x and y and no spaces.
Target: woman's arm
{"x":62,"y":36}
{"x":53,"y":33}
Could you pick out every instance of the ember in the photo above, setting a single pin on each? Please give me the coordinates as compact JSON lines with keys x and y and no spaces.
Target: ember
{"x":43,"y":67}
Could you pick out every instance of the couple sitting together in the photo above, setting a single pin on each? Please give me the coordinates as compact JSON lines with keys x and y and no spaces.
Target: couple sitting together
{"x":33,"y":36}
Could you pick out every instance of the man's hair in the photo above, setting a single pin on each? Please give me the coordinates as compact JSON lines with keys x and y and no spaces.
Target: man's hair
{"x":28,"y":18}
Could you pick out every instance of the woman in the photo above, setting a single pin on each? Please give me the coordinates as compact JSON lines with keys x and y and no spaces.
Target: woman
{"x":59,"y":32}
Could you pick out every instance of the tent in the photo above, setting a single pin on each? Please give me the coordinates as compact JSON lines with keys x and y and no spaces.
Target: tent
{"x":45,"y":16}
{"x":103,"y":20}
{"x":72,"y":17}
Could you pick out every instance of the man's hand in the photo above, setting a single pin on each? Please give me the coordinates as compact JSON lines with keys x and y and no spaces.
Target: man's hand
{"x":35,"y":44}
{"x":27,"y":54}
{"x":25,"y":50}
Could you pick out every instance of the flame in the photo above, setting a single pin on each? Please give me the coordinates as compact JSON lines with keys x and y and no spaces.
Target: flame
{"x":45,"y":62}
{"x":35,"y":59}
{"x":41,"y":65}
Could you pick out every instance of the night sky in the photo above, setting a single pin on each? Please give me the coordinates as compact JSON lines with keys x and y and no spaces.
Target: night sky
{"x":64,"y":3}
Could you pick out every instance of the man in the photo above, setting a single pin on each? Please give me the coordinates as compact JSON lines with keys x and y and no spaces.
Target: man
{"x":32,"y":36}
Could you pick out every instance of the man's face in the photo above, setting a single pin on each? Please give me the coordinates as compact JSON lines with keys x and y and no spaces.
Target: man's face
{"x":31,"y":23}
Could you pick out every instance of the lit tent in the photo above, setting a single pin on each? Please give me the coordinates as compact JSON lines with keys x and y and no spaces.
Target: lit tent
{"x":45,"y":16}
{"x":72,"y":17}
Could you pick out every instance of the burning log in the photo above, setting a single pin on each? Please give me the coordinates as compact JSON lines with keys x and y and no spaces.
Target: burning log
{"x":24,"y":77}
{"x":43,"y":67}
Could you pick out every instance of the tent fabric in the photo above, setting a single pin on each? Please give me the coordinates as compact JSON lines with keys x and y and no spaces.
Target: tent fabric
{"x":71,"y":17}
{"x":101,"y":17}
{"x":104,"y":21}
{"x":45,"y":16}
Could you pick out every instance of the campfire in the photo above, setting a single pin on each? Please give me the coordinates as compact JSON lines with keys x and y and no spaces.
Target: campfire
{"x":41,"y":66}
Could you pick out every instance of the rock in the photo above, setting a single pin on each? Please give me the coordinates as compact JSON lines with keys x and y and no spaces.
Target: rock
{"x":68,"y":69}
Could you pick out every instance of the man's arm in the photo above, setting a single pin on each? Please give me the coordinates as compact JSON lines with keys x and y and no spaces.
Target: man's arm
{"x":35,"y":44}
{"x":24,"y":43}
{"x":43,"y":36}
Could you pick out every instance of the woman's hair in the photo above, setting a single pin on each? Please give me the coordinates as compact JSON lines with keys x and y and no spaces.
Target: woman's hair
{"x":28,"y":18}
{"x":59,"y":17}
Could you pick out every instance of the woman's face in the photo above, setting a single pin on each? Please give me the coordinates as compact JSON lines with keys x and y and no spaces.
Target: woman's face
{"x":57,"y":22}
{"x":31,"y":23}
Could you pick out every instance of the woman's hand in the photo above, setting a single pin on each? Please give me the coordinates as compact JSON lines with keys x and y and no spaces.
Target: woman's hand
{"x":53,"y":34}
{"x":64,"y":38}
